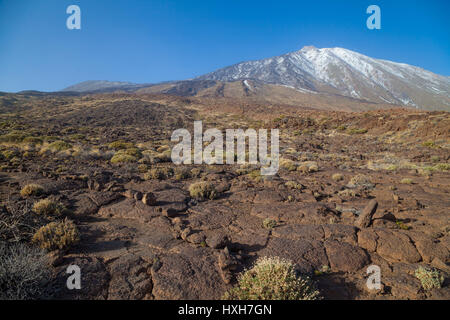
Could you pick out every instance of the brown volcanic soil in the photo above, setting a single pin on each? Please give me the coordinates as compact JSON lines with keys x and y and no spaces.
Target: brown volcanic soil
{"x":174,"y":249}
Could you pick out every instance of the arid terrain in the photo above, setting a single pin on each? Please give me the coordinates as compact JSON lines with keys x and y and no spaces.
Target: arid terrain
{"x":354,"y":189}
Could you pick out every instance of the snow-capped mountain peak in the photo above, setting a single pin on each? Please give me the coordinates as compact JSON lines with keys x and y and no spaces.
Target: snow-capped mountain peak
{"x":345,"y":72}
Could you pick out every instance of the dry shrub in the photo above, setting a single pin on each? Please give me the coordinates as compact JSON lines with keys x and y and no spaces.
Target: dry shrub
{"x":57,"y":235}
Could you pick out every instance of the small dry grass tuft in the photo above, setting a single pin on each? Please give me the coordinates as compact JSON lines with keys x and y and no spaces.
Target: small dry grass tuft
{"x":31,"y":189}
{"x":48,"y":207}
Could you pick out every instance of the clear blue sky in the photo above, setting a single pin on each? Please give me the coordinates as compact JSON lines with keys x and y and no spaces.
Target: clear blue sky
{"x":158,"y":40}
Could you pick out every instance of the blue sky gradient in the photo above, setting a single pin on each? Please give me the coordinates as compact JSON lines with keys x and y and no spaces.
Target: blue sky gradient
{"x":159,"y":40}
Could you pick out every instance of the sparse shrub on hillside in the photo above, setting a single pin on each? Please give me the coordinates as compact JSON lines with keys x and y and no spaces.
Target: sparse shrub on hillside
{"x":442,"y":167}
{"x":142,"y":168}
{"x":337,"y":177}
{"x":272,"y":279}
{"x":406,"y":181}
{"x":126,"y":156}
{"x":430,"y":144}
{"x":287,"y":164}
{"x":57,"y":235}
{"x":160,"y":173}
{"x":181,"y":173}
{"x":269,"y":223}
{"x":308,"y":166}
{"x":33,"y":140}
{"x":256,"y":175}
{"x":163,"y":156}
{"x":293,"y":185}
{"x":203,"y":190}
{"x":24,"y":272}
{"x":31,"y":189}
{"x":13,"y":137}
{"x":429,"y":278}
{"x":10,"y":154}
{"x":58,"y":146}
{"x":48,"y":207}
{"x":119,"y":145}
{"x":356,"y":131}
{"x":360,"y":181}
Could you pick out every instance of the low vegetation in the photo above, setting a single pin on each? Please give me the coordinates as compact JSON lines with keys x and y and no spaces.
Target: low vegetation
{"x":272,"y":279}
{"x":429,"y":278}
{"x":24,"y":272}
{"x":48,"y":207}
{"x":57,"y":235}
{"x":203,"y":190}
{"x":31,"y":189}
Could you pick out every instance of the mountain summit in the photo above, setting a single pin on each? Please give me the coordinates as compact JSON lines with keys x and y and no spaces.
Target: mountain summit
{"x":345,"y":72}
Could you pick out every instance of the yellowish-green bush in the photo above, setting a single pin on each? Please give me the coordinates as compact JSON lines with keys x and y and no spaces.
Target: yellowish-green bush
{"x":360,"y":180}
{"x":272,"y":279}
{"x":356,"y":131}
{"x":48,"y":207}
{"x":337,"y":177}
{"x":10,"y":154}
{"x":293,"y":185}
{"x":287,"y":164}
{"x":442,"y":166}
{"x":142,"y":168}
{"x":13,"y":137}
{"x":429,"y":278}
{"x":308,"y":166}
{"x":269,"y":223}
{"x":119,"y":145}
{"x":31,"y":189}
{"x":430,"y":144}
{"x":159,"y":173}
{"x":256,"y":175}
{"x":182,"y":173}
{"x":203,"y":190}
{"x":406,"y":181}
{"x":58,"y":146}
{"x":126,"y":156}
{"x":33,"y":140}
{"x":57,"y":235}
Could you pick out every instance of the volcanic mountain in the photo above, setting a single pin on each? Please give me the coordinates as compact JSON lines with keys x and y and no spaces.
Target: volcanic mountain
{"x":345,"y":72}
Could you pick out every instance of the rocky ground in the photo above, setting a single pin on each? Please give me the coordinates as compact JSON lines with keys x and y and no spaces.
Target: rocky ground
{"x":353,"y":190}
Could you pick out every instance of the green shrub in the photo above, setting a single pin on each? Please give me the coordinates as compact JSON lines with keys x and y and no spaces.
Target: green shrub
{"x":272,"y":279}
{"x":57,"y":235}
{"x":31,"y":189}
{"x":430,"y":278}
{"x":202,"y":190}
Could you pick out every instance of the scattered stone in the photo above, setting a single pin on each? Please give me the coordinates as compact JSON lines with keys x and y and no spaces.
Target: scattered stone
{"x":365,"y":217}
{"x":149,"y":199}
{"x":217,"y":241}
